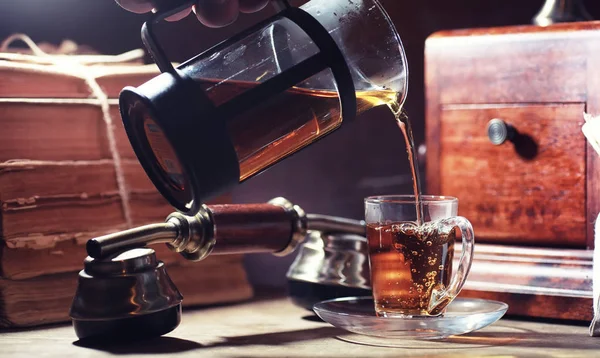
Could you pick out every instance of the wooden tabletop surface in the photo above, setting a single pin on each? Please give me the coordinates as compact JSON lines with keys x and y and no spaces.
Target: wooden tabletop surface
{"x":276,"y":328}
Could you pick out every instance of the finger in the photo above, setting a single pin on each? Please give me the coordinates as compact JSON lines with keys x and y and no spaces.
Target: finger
{"x":180,"y":15}
{"x":248,"y":6}
{"x":137,"y":6}
{"x":216,"y":13}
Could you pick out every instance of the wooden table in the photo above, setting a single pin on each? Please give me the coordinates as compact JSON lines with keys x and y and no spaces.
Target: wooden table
{"x":276,"y":328}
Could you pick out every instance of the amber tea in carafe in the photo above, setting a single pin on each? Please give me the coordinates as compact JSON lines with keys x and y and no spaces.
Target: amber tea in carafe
{"x":308,"y":113}
{"x":244,"y":105}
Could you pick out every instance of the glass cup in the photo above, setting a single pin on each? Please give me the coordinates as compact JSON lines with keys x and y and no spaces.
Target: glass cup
{"x":411,"y":264}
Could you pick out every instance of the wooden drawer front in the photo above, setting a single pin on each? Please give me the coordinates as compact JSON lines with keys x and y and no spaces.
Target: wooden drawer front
{"x":509,"y":197}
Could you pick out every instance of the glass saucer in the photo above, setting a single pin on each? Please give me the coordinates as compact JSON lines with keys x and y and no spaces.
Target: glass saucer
{"x":357,"y":315}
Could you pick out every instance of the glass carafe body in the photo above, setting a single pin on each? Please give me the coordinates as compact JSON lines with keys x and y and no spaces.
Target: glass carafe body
{"x":311,"y":109}
{"x":277,"y":125}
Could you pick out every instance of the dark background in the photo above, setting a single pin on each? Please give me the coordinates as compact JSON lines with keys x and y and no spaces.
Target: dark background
{"x":333,"y":175}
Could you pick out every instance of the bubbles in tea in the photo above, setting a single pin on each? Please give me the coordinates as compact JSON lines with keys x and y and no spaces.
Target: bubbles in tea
{"x":409,"y":263}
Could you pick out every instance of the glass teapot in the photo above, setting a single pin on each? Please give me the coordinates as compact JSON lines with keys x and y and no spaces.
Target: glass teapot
{"x":236,"y":109}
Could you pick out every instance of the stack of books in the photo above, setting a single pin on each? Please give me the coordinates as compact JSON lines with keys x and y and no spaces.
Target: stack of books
{"x":59,"y":188}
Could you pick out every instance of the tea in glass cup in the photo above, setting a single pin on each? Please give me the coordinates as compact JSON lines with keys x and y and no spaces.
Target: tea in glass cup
{"x":411,"y":262}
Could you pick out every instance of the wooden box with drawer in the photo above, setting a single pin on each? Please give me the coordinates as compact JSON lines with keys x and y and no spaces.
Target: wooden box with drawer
{"x":534,"y":198}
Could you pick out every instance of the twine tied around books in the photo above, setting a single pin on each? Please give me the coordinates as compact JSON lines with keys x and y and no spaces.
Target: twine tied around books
{"x":77,"y":66}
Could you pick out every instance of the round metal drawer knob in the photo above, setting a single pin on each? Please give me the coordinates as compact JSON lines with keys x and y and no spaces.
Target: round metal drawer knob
{"x":499,"y":131}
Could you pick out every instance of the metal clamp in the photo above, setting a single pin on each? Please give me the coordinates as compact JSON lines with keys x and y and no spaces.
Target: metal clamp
{"x":299,"y":225}
{"x":196,"y":239}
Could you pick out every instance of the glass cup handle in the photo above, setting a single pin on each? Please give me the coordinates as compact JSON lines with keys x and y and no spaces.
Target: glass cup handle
{"x":441,"y":298}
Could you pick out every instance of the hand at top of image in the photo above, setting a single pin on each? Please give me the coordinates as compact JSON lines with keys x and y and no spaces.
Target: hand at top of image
{"x":211,"y":13}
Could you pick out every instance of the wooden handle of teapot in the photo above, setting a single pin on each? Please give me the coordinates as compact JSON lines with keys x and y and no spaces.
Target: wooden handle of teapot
{"x":251,"y":228}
